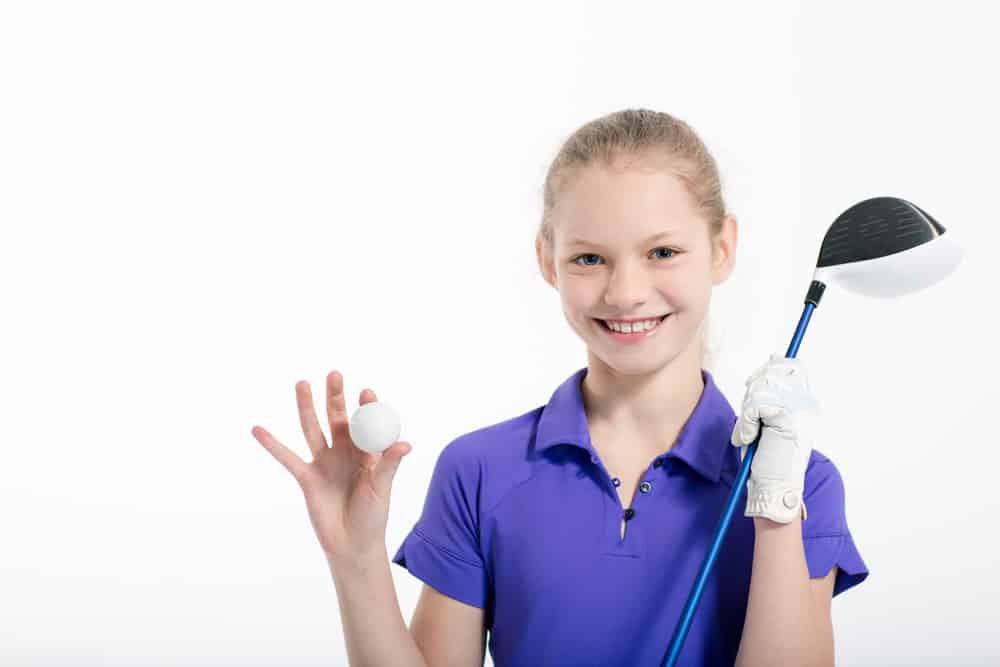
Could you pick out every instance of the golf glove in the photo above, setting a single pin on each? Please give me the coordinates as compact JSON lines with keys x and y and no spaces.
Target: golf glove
{"x":777,"y":393}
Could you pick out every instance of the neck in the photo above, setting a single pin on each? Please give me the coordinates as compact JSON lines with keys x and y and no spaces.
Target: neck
{"x":646,"y":409}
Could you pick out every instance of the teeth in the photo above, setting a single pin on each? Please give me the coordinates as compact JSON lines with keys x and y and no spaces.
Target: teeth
{"x":632,"y":327}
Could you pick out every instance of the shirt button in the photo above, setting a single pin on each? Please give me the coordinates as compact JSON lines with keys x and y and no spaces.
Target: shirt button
{"x":616,"y":481}
{"x":629,"y":513}
{"x":790,"y":499}
{"x":645,"y":487}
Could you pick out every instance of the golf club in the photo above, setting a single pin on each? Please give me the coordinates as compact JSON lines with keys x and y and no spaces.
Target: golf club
{"x":880,"y":247}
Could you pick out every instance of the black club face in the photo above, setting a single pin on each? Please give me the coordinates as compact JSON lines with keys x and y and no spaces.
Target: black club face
{"x":876,"y":228}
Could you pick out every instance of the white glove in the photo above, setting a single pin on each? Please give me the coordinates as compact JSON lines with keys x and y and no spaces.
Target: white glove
{"x":778,"y":393}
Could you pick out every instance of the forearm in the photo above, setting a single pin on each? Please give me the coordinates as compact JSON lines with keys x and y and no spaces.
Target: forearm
{"x":780,"y":628}
{"x":374,"y":629}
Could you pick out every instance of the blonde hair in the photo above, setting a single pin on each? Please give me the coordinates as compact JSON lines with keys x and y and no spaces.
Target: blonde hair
{"x":640,"y":133}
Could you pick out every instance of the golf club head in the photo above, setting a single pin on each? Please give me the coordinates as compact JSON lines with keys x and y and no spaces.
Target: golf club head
{"x":886,"y":247}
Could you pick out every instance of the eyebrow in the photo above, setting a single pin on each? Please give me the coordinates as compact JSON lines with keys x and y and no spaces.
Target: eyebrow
{"x":578,"y":241}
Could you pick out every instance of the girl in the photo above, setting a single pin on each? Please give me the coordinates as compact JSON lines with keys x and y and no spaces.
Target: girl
{"x":572,"y":533}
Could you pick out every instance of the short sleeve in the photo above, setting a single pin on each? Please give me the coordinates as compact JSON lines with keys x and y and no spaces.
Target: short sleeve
{"x":825,"y":534}
{"x":443,"y":547}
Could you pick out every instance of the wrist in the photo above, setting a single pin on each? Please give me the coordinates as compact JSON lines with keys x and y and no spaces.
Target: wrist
{"x":777,"y":500}
{"x":352,"y":563}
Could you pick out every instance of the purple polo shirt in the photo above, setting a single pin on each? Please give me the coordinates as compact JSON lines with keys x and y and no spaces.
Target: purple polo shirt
{"x":522,"y":519}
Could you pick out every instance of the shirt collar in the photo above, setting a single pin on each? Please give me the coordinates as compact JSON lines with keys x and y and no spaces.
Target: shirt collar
{"x":702,"y":443}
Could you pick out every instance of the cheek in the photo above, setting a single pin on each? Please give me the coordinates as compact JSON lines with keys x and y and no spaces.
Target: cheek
{"x":577,"y":295}
{"x":691,"y":290}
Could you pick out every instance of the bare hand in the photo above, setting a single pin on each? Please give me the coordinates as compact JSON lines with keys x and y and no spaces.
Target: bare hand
{"x":346,"y":488}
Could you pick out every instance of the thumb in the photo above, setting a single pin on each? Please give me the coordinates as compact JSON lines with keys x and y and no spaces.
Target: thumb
{"x":388,"y":464}
{"x":746,"y":427}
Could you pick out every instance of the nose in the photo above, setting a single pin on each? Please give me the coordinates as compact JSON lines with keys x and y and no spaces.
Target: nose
{"x":627,"y":288}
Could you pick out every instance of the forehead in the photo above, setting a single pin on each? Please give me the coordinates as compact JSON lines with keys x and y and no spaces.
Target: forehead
{"x":599,"y":203}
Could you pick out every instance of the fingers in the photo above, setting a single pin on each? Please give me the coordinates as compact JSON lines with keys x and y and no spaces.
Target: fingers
{"x":307,"y":418}
{"x":794,"y":397}
{"x":368,"y":459}
{"x":388,"y":464}
{"x":777,"y":367}
{"x":284,"y":455}
{"x":746,"y":429}
{"x":336,"y":410}
{"x":367,"y":396}
{"x":759,"y":409}
{"x":777,"y":393}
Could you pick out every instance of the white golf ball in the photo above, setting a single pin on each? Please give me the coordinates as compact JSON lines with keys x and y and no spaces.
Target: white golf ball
{"x":374,"y":426}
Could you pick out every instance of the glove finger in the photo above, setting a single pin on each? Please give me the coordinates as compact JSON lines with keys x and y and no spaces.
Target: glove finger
{"x":770,"y":413}
{"x":789,"y":376}
{"x":748,"y":425}
{"x":765,"y":413}
{"x":759,"y":372}
{"x":780,"y":370}
{"x":794,"y":397}
{"x":744,"y":432}
{"x":777,"y":391}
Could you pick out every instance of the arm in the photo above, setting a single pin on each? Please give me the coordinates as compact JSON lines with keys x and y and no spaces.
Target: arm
{"x":449,"y":631}
{"x":788,"y":619}
{"x":374,"y":629}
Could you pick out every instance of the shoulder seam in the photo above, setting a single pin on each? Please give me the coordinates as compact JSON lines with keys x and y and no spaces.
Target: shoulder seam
{"x":507,"y":493}
{"x":417,"y":532}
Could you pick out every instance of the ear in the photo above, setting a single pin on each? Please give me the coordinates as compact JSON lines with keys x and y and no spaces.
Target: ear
{"x":545,"y":261}
{"x":724,"y":250}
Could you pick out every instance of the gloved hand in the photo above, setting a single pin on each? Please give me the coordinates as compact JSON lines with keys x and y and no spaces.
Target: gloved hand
{"x":778,"y":393}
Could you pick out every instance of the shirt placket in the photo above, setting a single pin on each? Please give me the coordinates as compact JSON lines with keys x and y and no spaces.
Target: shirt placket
{"x":634,"y":542}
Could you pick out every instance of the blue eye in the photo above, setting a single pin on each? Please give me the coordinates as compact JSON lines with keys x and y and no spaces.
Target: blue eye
{"x":576,"y":260}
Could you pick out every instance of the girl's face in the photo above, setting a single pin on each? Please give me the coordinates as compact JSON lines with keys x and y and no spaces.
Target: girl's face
{"x":609,"y":262}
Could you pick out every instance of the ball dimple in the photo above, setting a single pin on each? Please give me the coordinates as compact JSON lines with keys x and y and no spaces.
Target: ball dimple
{"x":374,"y":427}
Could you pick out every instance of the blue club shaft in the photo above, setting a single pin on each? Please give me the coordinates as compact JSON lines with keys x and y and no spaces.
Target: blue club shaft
{"x":680,"y":633}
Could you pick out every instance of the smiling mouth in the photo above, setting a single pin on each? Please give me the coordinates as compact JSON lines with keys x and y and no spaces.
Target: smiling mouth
{"x":604,"y":324}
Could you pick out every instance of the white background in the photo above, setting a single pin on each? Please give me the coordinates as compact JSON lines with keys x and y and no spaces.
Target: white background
{"x":205,"y":202}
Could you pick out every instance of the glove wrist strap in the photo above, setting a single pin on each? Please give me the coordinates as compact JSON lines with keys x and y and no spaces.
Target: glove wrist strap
{"x":774,"y":500}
